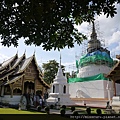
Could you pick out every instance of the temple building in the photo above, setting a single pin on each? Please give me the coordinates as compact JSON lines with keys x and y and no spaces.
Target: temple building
{"x":92,"y":69}
{"x":114,"y":75}
{"x":19,"y":75}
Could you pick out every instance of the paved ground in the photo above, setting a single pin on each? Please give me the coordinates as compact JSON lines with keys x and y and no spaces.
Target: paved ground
{"x":93,"y":105}
{"x":53,"y":111}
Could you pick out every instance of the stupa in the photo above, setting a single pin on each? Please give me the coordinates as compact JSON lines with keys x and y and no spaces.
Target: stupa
{"x":59,"y":90}
{"x":90,"y":81}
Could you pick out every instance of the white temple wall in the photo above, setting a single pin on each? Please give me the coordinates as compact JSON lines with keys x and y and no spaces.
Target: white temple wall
{"x":7,"y":99}
{"x":59,"y":88}
{"x":92,"y":70}
{"x":111,"y":89}
{"x":91,"y":89}
{"x":117,"y":89}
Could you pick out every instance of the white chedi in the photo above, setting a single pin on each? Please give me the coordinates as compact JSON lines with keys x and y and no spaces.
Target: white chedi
{"x":60,"y":90}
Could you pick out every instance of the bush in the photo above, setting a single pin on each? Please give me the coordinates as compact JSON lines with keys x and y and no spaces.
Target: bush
{"x":63,"y":106}
{"x":62,"y":111}
{"x":47,"y":109}
{"x":27,"y":107}
{"x":88,"y":110}
{"x":99,"y":112}
{"x":75,"y":112}
{"x":51,"y":106}
{"x":72,"y":108}
{"x":39,"y":108}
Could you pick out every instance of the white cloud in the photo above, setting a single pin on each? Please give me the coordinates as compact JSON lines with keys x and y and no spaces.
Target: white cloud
{"x":110,"y":27}
{"x":115,"y":38}
{"x":83,"y":28}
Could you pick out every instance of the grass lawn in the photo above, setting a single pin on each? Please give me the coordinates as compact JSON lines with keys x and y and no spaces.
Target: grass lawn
{"x":15,"y":111}
{"x":14,"y":114}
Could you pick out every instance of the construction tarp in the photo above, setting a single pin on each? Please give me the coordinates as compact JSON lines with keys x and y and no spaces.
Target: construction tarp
{"x":95,"y":58}
{"x":85,"y":79}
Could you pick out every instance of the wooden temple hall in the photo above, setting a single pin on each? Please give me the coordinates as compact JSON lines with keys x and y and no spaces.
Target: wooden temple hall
{"x":19,"y":75}
{"x":114,"y":75}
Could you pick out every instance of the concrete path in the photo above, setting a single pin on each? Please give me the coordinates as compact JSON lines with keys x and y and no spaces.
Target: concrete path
{"x":54,"y":111}
{"x":99,"y":105}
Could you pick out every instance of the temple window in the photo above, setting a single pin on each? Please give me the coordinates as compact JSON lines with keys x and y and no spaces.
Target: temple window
{"x":64,"y":89}
{"x":53,"y":89}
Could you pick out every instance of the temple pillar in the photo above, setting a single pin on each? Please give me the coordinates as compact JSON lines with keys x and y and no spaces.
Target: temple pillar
{"x":2,"y":91}
{"x":35,"y":86}
{"x":114,"y":86}
{"x":23,"y":85}
{"x":11,"y":90}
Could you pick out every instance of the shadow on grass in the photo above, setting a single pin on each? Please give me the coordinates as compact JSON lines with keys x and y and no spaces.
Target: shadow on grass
{"x":33,"y":117}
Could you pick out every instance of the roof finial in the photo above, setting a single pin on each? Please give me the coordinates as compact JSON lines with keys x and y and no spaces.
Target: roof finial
{"x":17,"y":52}
{"x":34,"y":53}
{"x":93,"y":35}
{"x":25,"y":52}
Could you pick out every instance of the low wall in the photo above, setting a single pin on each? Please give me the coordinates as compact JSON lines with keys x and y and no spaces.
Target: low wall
{"x":13,"y":101}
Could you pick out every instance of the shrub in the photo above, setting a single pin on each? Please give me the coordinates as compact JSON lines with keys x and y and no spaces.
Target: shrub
{"x":63,"y":106}
{"x":51,"y":106}
{"x":62,"y":111}
{"x":39,"y":108}
{"x":72,"y":108}
{"x":99,"y":112}
{"x":75,"y":112}
{"x":27,"y":107}
{"x":88,"y":110}
{"x":47,"y":109}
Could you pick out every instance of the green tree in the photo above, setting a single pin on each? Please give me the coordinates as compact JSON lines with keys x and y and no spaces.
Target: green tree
{"x":67,"y":74}
{"x":73,"y":74}
{"x":49,"y":23}
{"x":50,"y":69}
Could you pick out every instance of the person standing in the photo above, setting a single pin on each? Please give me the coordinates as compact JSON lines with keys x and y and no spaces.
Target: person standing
{"x":45,"y":96}
{"x":40,"y":100}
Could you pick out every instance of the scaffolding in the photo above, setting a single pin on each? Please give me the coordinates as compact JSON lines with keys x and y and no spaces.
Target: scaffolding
{"x":99,"y":57}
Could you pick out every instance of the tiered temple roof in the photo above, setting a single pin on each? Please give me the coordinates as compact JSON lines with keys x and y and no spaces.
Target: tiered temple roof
{"x":114,"y":74}
{"x":13,"y":69}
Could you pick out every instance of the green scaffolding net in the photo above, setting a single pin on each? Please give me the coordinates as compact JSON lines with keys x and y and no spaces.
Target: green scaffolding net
{"x":95,"y":59}
{"x":86,"y":79}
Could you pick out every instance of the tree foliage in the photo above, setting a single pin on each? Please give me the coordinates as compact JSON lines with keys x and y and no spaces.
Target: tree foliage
{"x":49,"y":23}
{"x":50,"y":69}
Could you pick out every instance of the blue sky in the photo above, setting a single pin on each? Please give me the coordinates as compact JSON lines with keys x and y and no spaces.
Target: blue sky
{"x":108,"y":30}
